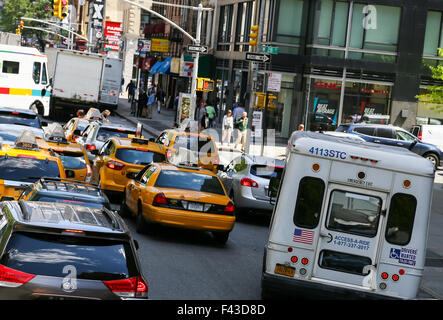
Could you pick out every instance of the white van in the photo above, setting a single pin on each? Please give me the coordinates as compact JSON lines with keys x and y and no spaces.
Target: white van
{"x":429,"y":133}
{"x":351,"y":220}
{"x":24,"y":79}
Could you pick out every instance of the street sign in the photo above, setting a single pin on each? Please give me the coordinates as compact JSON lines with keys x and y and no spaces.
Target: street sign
{"x":269,"y":49}
{"x":257,"y":57}
{"x":195,"y":48}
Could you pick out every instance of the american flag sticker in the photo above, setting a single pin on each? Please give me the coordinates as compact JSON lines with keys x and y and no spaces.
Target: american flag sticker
{"x":303,"y":236}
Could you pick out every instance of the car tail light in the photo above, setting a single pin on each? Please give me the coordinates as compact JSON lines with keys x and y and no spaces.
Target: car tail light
{"x":26,"y":156}
{"x":160,"y":199}
{"x":229,"y":207}
{"x":246,"y":182}
{"x":13,"y":278}
{"x":90,"y":147}
{"x":419,"y":136}
{"x":128,"y":288}
{"x":168,"y":154}
{"x":114,"y":165}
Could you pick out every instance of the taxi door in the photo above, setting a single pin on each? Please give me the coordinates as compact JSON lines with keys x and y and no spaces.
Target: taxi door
{"x":349,"y":236}
{"x":100,"y":160}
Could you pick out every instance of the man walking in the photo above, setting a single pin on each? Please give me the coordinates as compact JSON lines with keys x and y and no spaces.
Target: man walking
{"x":130,"y":89}
{"x":151,"y":102}
{"x":142,"y":100}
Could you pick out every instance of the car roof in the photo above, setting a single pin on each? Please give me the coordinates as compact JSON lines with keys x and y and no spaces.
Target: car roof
{"x":138,"y":143}
{"x":69,"y":187}
{"x":59,"y":217}
{"x":261,"y":160}
{"x":188,"y":133}
{"x":23,"y":111}
{"x":375,"y":125}
{"x":60,"y":147}
{"x":183,"y":167}
{"x":116,"y":126}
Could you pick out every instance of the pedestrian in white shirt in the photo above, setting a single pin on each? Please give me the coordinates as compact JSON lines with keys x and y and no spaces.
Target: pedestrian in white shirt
{"x":228,"y":127}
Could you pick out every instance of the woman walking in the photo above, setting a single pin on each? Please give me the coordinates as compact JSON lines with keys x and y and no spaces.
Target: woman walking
{"x":228,"y":127}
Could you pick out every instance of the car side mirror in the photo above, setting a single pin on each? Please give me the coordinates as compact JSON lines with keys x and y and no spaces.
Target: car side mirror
{"x":95,"y":152}
{"x":44,"y":123}
{"x":77,"y":132}
{"x":412,"y":145}
{"x":151,"y":139}
{"x":131,"y":175}
{"x":221,"y":167}
{"x":137,"y":246}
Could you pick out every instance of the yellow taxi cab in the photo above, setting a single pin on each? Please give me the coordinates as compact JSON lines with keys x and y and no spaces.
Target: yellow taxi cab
{"x":120,"y":159}
{"x":202,"y":145}
{"x":74,"y":128}
{"x":181,"y":196}
{"x":24,"y":163}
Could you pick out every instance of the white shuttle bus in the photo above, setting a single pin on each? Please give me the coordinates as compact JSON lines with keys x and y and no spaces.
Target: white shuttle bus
{"x":351,"y":220}
{"x":24,"y":79}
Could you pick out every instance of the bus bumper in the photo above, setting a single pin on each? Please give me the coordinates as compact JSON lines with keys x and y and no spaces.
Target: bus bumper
{"x":274,"y":287}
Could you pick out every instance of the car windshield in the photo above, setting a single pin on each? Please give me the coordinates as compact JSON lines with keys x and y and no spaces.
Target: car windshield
{"x":139,"y":156}
{"x":342,"y":129}
{"x":25,"y":119}
{"x":106,"y":133}
{"x":189,"y":181}
{"x":48,"y":255}
{"x":27,"y":169}
{"x":73,"y":161}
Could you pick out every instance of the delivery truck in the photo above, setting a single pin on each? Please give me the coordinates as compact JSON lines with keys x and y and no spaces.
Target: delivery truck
{"x":82,"y":80}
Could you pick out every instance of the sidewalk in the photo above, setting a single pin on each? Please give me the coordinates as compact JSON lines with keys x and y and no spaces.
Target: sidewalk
{"x":166,"y":119}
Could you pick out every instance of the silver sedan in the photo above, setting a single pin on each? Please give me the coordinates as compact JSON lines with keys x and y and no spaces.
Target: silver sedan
{"x":246,"y":180}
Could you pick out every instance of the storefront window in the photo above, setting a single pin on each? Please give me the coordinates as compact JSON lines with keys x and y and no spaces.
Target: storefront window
{"x":370,"y":101}
{"x":323,"y":106}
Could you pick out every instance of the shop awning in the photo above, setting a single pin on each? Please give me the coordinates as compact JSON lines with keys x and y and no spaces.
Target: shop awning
{"x":155,"y":67}
{"x":165,"y":66}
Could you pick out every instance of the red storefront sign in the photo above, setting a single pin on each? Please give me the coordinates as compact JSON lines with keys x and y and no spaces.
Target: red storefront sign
{"x":327,"y":85}
{"x":113,"y":32}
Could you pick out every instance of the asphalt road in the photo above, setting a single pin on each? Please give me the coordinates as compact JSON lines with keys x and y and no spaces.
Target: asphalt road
{"x":188,"y":265}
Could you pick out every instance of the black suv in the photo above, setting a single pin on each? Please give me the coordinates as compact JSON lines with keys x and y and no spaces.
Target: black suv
{"x":53,"y":251}
{"x":62,"y":191}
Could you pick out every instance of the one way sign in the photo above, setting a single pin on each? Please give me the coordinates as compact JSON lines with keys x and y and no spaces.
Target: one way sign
{"x":257,"y":57}
{"x":195,"y":48}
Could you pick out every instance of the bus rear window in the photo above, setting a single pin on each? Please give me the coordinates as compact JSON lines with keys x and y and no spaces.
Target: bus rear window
{"x":401,"y":219}
{"x":73,"y":161}
{"x":309,"y":202}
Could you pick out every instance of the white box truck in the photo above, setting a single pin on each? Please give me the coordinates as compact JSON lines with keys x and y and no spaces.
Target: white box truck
{"x":82,"y":80}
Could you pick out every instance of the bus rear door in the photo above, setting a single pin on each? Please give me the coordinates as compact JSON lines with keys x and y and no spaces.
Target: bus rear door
{"x":349,"y":236}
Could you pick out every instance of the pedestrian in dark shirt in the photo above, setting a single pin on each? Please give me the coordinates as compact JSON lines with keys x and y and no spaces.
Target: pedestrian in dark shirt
{"x":142,"y":101}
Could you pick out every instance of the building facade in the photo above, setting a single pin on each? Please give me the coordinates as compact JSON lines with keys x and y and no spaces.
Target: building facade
{"x":338,"y":59}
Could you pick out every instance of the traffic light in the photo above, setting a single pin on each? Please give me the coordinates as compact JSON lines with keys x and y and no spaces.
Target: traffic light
{"x":204,"y":84}
{"x":253,"y":36}
{"x":22,"y":24}
{"x":65,"y":9}
{"x":57,"y":9}
{"x":17,"y":31}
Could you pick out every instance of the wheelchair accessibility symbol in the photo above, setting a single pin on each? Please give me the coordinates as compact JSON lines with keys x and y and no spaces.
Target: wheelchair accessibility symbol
{"x":395,"y":253}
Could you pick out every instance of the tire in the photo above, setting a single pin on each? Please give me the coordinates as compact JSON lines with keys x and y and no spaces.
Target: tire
{"x":221,"y":237}
{"x":141,"y":225}
{"x":124,"y":210}
{"x":433,"y":158}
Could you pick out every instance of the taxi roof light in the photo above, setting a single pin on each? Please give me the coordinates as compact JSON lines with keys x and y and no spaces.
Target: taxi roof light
{"x":27,"y":141}
{"x":140,"y":141}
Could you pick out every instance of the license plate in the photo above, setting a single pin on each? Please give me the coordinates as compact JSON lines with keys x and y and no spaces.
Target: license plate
{"x":195,"y":206}
{"x":284,"y":270}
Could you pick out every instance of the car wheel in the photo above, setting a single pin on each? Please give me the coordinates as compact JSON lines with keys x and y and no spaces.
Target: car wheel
{"x":141,"y":225}
{"x":433,"y":158}
{"x":124,"y":210}
{"x":220,"y":237}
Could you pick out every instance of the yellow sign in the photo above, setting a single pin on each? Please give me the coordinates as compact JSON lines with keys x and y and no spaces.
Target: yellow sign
{"x":159,"y":45}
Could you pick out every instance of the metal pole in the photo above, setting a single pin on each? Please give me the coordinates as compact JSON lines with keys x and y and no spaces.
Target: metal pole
{"x":264,"y":117}
{"x":196,"y":57}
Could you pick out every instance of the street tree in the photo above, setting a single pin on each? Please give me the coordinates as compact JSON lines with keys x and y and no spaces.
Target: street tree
{"x":434,"y":93}
{"x":13,"y":10}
